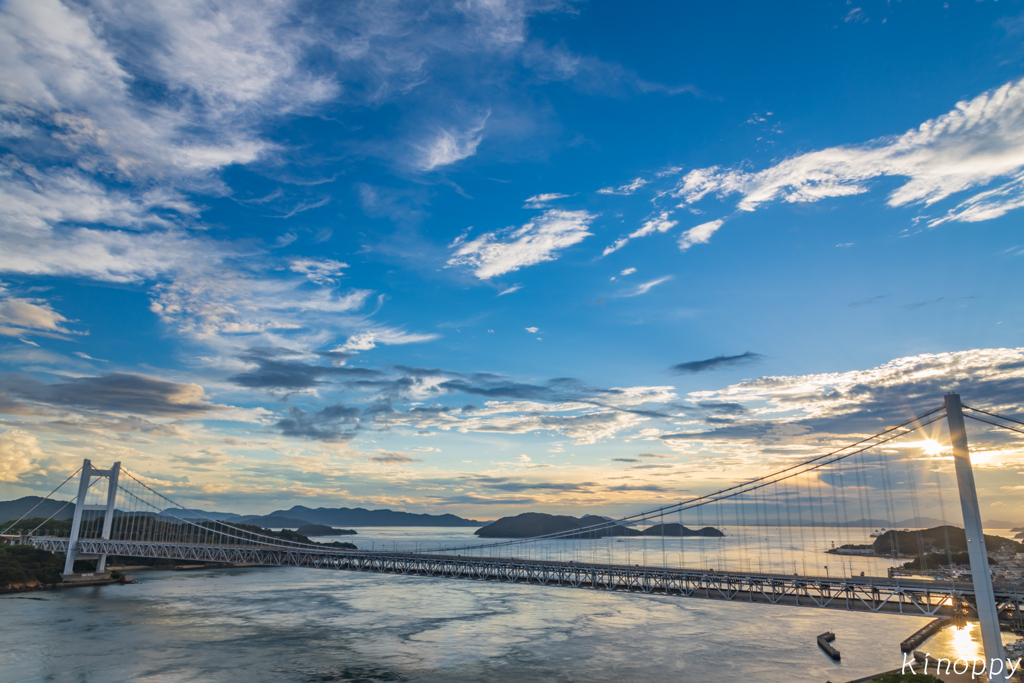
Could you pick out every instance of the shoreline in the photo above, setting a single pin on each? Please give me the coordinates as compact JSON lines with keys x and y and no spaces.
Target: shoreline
{"x":14,"y":589}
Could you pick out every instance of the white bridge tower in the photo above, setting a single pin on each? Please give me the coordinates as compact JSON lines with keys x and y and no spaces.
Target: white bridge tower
{"x":88,"y":474}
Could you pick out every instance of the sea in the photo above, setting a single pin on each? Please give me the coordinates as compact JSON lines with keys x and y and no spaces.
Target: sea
{"x":286,"y":624}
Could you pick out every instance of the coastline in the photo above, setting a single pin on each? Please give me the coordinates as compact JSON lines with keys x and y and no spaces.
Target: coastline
{"x":31,"y":587}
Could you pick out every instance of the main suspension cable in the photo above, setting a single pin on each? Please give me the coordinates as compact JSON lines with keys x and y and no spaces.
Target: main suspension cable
{"x":995,"y":424}
{"x":43,"y":501}
{"x":1001,"y":417}
{"x":741,"y":488}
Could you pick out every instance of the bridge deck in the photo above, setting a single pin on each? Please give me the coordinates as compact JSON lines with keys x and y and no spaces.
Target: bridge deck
{"x":872,"y":594}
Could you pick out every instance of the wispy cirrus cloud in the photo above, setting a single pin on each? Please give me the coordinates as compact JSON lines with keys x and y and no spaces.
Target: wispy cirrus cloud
{"x":541,"y":201}
{"x":660,"y":223}
{"x":364,"y":341}
{"x":591,"y":74}
{"x":627,"y":189}
{"x":699,"y":234}
{"x":645,"y":287}
{"x":508,"y":250}
{"x":978,"y":142}
{"x":319,"y":271}
{"x":449,"y":145}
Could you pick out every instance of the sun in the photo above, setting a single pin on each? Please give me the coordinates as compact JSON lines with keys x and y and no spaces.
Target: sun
{"x":932,"y":447}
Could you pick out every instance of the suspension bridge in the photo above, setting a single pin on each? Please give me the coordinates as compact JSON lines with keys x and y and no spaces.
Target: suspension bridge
{"x":780,"y":520}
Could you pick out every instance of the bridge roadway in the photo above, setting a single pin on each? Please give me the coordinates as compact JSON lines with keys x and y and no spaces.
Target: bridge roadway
{"x":866,"y":593}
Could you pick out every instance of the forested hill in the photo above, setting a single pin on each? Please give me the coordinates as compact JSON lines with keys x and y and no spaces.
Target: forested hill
{"x":13,"y":509}
{"x":297,"y":516}
{"x":911,"y":542}
{"x":350,"y":517}
{"x":530,"y":524}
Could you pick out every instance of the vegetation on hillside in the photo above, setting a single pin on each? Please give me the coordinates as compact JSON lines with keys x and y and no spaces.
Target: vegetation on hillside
{"x":28,"y":566}
{"x":529,"y":524}
{"x":53,"y":527}
{"x":323,"y":530}
{"x":894,"y":542}
{"x":934,"y":560}
{"x":674,"y":529}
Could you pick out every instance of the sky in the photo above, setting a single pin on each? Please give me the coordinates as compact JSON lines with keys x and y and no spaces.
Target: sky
{"x":484,"y":257}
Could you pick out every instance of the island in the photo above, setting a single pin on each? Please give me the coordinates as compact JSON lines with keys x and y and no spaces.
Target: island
{"x":933,"y":542}
{"x":530,"y":524}
{"x":323,"y":530}
{"x":678,"y":530}
{"x":292,"y":518}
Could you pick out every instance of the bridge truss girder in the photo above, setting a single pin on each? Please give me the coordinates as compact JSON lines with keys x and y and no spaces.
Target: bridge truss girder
{"x":917,"y":598}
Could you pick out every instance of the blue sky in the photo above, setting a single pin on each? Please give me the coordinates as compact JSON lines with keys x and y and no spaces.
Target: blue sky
{"x":483,"y":257}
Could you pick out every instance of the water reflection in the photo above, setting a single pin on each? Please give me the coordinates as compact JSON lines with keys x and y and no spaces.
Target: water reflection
{"x":964,"y":643}
{"x":789,"y":550}
{"x":289,"y":624}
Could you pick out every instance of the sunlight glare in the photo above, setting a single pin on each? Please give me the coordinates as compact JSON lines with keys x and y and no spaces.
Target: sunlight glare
{"x":965,"y":644}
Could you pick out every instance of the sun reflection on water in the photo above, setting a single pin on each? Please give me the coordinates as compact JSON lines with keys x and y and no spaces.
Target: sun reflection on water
{"x":964,"y":643}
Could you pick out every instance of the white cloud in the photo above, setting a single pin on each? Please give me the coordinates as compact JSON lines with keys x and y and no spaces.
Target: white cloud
{"x":699,"y":234}
{"x":223,"y":64}
{"x":976,"y":143}
{"x":320,"y":271}
{"x":364,"y":341}
{"x":647,"y":286}
{"x":627,"y":189}
{"x":513,"y":288}
{"x":450,"y":145}
{"x":587,"y":428}
{"x":660,"y":223}
{"x":20,"y":316}
{"x":209,"y":305}
{"x":627,"y":271}
{"x":508,"y":250}
{"x":924,"y":377}
{"x":541,"y":201}
{"x":108,"y":255}
{"x":533,"y":330}
{"x":19,"y":454}
{"x":987,"y":205}
{"x":634,"y":396}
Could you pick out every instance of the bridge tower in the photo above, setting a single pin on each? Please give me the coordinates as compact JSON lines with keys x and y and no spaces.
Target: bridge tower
{"x":988,"y":615}
{"x":88,"y":474}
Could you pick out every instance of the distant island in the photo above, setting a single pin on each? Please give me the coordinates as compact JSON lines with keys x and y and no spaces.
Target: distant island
{"x":323,"y":530}
{"x":292,"y":518}
{"x":530,"y":524}
{"x":677,"y":530}
{"x":350,"y":517}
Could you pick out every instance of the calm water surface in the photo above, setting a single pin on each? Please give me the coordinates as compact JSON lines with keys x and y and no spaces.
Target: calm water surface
{"x":291,"y":624}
